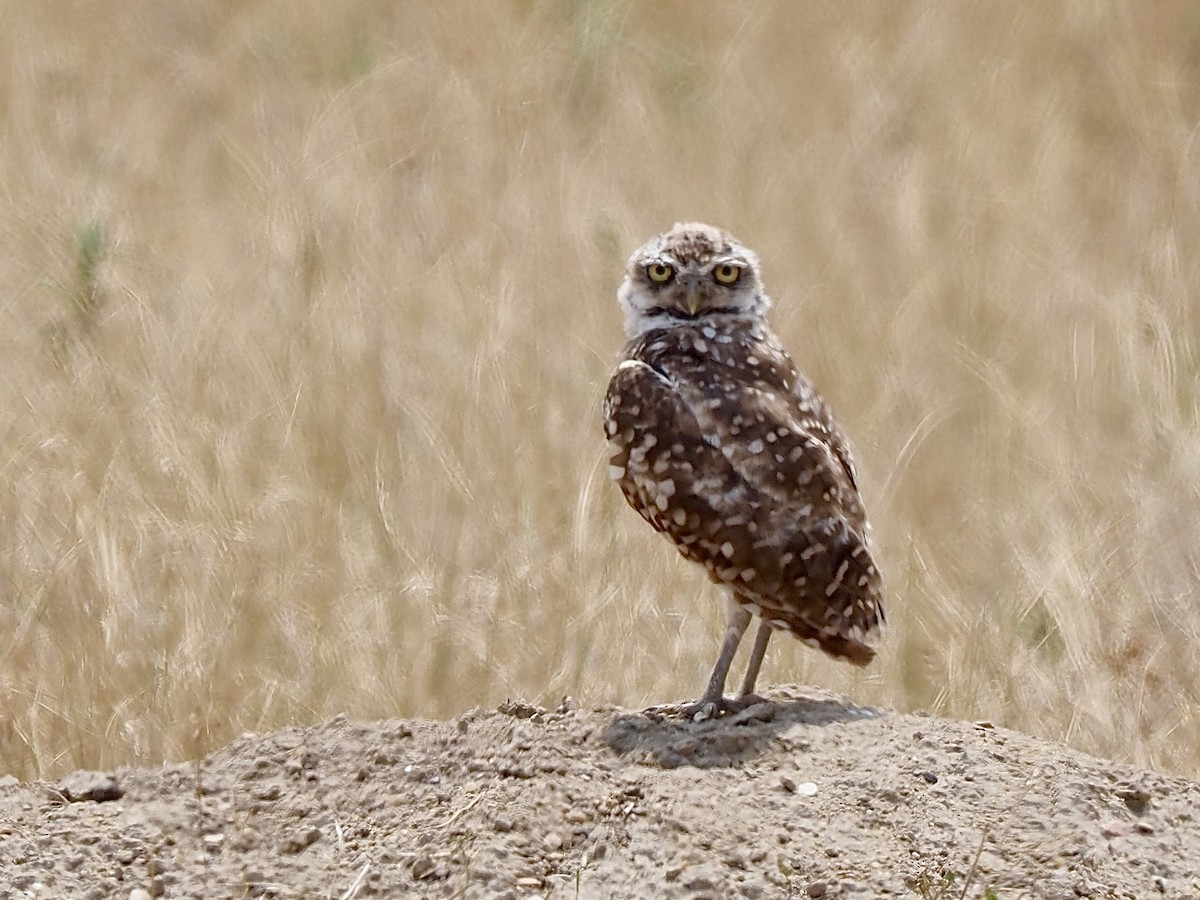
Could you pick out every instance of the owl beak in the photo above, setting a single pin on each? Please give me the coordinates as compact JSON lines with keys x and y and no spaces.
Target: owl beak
{"x":691,"y":300}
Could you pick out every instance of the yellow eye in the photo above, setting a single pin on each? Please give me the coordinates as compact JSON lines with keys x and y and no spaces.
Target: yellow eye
{"x":727,"y":273}
{"x":660,"y":273}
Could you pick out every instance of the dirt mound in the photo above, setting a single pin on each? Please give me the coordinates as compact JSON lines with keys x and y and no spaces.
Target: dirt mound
{"x":805,"y":795}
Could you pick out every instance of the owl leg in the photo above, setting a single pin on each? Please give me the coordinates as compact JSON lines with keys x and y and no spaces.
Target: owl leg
{"x":756,"y":657}
{"x":713,"y":703}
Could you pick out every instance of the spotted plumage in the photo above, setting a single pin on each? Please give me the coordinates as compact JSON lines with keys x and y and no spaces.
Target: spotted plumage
{"x":724,"y":446}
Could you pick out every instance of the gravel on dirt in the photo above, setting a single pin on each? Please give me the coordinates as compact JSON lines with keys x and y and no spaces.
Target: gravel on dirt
{"x":804,"y":795}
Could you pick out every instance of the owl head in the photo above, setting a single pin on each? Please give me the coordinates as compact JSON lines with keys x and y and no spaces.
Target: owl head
{"x":693,"y":274}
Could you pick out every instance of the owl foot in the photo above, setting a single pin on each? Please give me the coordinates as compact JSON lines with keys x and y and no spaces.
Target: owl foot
{"x":705,"y":709}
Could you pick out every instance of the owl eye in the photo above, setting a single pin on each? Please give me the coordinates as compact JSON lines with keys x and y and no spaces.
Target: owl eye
{"x":727,"y":273}
{"x":659,"y":273}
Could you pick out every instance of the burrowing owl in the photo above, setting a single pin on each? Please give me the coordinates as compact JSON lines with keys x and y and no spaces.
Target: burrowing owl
{"x":724,"y":446}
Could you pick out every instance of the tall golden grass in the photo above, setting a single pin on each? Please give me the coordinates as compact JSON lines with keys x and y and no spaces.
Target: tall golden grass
{"x":308,"y":310}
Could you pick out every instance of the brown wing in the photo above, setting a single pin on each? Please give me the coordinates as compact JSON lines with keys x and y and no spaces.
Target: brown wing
{"x":749,"y":478}
{"x":676,"y":480}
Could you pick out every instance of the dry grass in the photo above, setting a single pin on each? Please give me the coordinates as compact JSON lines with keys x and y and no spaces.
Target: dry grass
{"x":309,"y":307}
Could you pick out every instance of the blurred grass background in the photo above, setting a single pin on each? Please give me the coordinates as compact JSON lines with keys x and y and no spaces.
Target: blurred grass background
{"x":308,"y":310}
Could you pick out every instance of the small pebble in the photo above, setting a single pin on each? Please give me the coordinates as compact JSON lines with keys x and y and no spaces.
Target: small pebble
{"x":422,"y":867}
{"x":1136,"y":798}
{"x":1115,"y":829}
{"x":701,"y":881}
{"x":302,"y":839}
{"x":97,"y":787}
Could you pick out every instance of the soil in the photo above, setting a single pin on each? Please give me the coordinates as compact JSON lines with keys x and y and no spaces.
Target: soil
{"x":805,"y":795}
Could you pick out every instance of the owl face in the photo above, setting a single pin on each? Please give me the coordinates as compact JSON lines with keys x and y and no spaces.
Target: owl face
{"x":693,"y":274}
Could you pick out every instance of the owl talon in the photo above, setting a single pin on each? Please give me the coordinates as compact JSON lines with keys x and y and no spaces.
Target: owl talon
{"x":705,"y":709}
